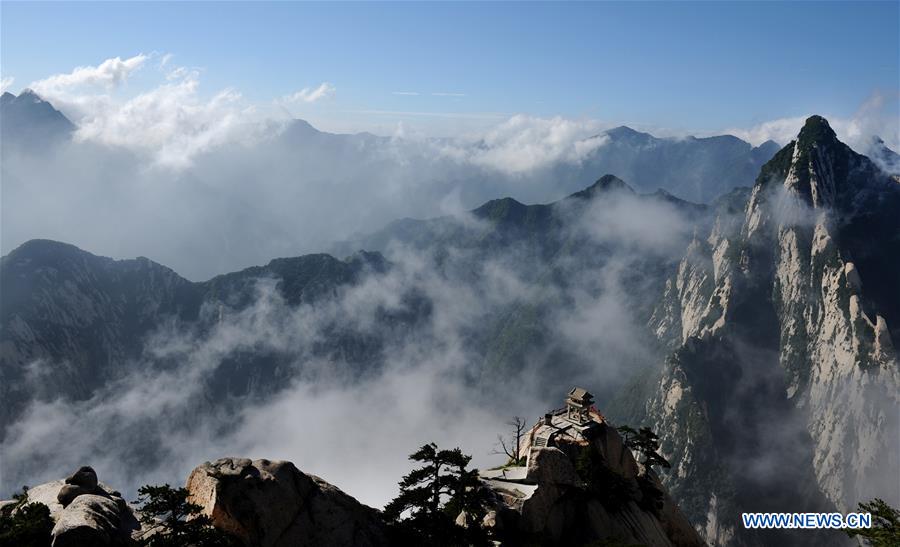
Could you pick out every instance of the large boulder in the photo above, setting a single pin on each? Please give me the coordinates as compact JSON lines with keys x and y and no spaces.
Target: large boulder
{"x":83,"y":481}
{"x":85,"y":477}
{"x":85,"y":512}
{"x":94,"y":520}
{"x":273,"y":504}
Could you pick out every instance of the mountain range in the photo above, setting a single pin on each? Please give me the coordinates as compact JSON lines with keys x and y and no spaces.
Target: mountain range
{"x":696,"y":169}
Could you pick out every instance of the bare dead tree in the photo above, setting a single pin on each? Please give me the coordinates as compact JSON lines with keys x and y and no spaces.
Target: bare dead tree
{"x":511,"y":446}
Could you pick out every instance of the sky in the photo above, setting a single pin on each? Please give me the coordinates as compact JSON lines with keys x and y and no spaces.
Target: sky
{"x":447,"y":68}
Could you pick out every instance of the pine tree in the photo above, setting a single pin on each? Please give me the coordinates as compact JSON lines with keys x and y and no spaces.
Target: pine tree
{"x":645,"y":442}
{"x":176,"y":522}
{"x":885,"y":530}
{"x":25,"y":524}
{"x":433,"y":495}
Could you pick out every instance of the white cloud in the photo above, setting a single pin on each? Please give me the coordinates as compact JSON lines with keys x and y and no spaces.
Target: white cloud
{"x":781,"y":130}
{"x":178,"y":73}
{"x":869,"y":120}
{"x":525,"y":143}
{"x":311,"y":95}
{"x":171,"y":122}
{"x":110,"y":73}
{"x":413,"y":93}
{"x":5,"y":83}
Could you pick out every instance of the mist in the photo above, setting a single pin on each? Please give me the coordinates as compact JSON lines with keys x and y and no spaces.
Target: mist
{"x":353,"y":425}
{"x":291,"y":191}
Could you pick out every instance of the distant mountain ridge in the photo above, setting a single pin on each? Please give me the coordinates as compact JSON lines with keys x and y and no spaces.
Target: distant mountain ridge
{"x":29,"y":120}
{"x":64,"y":305}
{"x":695,"y":169}
{"x":692,"y":168}
{"x":505,"y":218}
{"x":886,"y":158}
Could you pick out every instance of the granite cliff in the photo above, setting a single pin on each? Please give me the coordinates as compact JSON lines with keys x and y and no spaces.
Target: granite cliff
{"x":782,"y":386}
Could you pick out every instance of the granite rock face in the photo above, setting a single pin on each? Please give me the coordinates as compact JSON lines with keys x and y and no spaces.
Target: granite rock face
{"x":551,"y":466}
{"x":272,"y":504}
{"x":555,"y":500}
{"x":782,"y":389}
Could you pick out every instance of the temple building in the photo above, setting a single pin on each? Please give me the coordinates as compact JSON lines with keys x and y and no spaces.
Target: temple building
{"x":578,"y":405}
{"x":573,"y":424}
{"x":568,"y":428}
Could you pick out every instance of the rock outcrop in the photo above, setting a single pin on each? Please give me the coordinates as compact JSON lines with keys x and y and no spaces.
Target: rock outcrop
{"x":92,"y":519}
{"x":83,"y":481}
{"x":273,"y":504}
{"x":85,"y":512}
{"x":581,"y":485}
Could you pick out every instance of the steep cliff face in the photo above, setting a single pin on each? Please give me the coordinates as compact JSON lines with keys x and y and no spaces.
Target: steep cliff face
{"x":781,"y":321}
{"x":835,"y":294}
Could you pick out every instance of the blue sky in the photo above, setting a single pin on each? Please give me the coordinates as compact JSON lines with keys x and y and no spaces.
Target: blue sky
{"x":685,"y":66}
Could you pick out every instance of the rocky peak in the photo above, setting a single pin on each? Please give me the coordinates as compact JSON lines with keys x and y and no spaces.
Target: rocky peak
{"x":31,"y":121}
{"x":29,"y":94}
{"x":610,"y":182}
{"x":501,"y":209}
{"x":816,"y":168}
{"x":606,"y":183}
{"x":625,"y":134}
{"x":301,"y":131}
{"x":816,"y":132}
{"x":887,"y":159}
{"x":580,"y":484}
{"x":807,"y":282}
{"x":44,"y":251}
{"x":273,"y":504}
